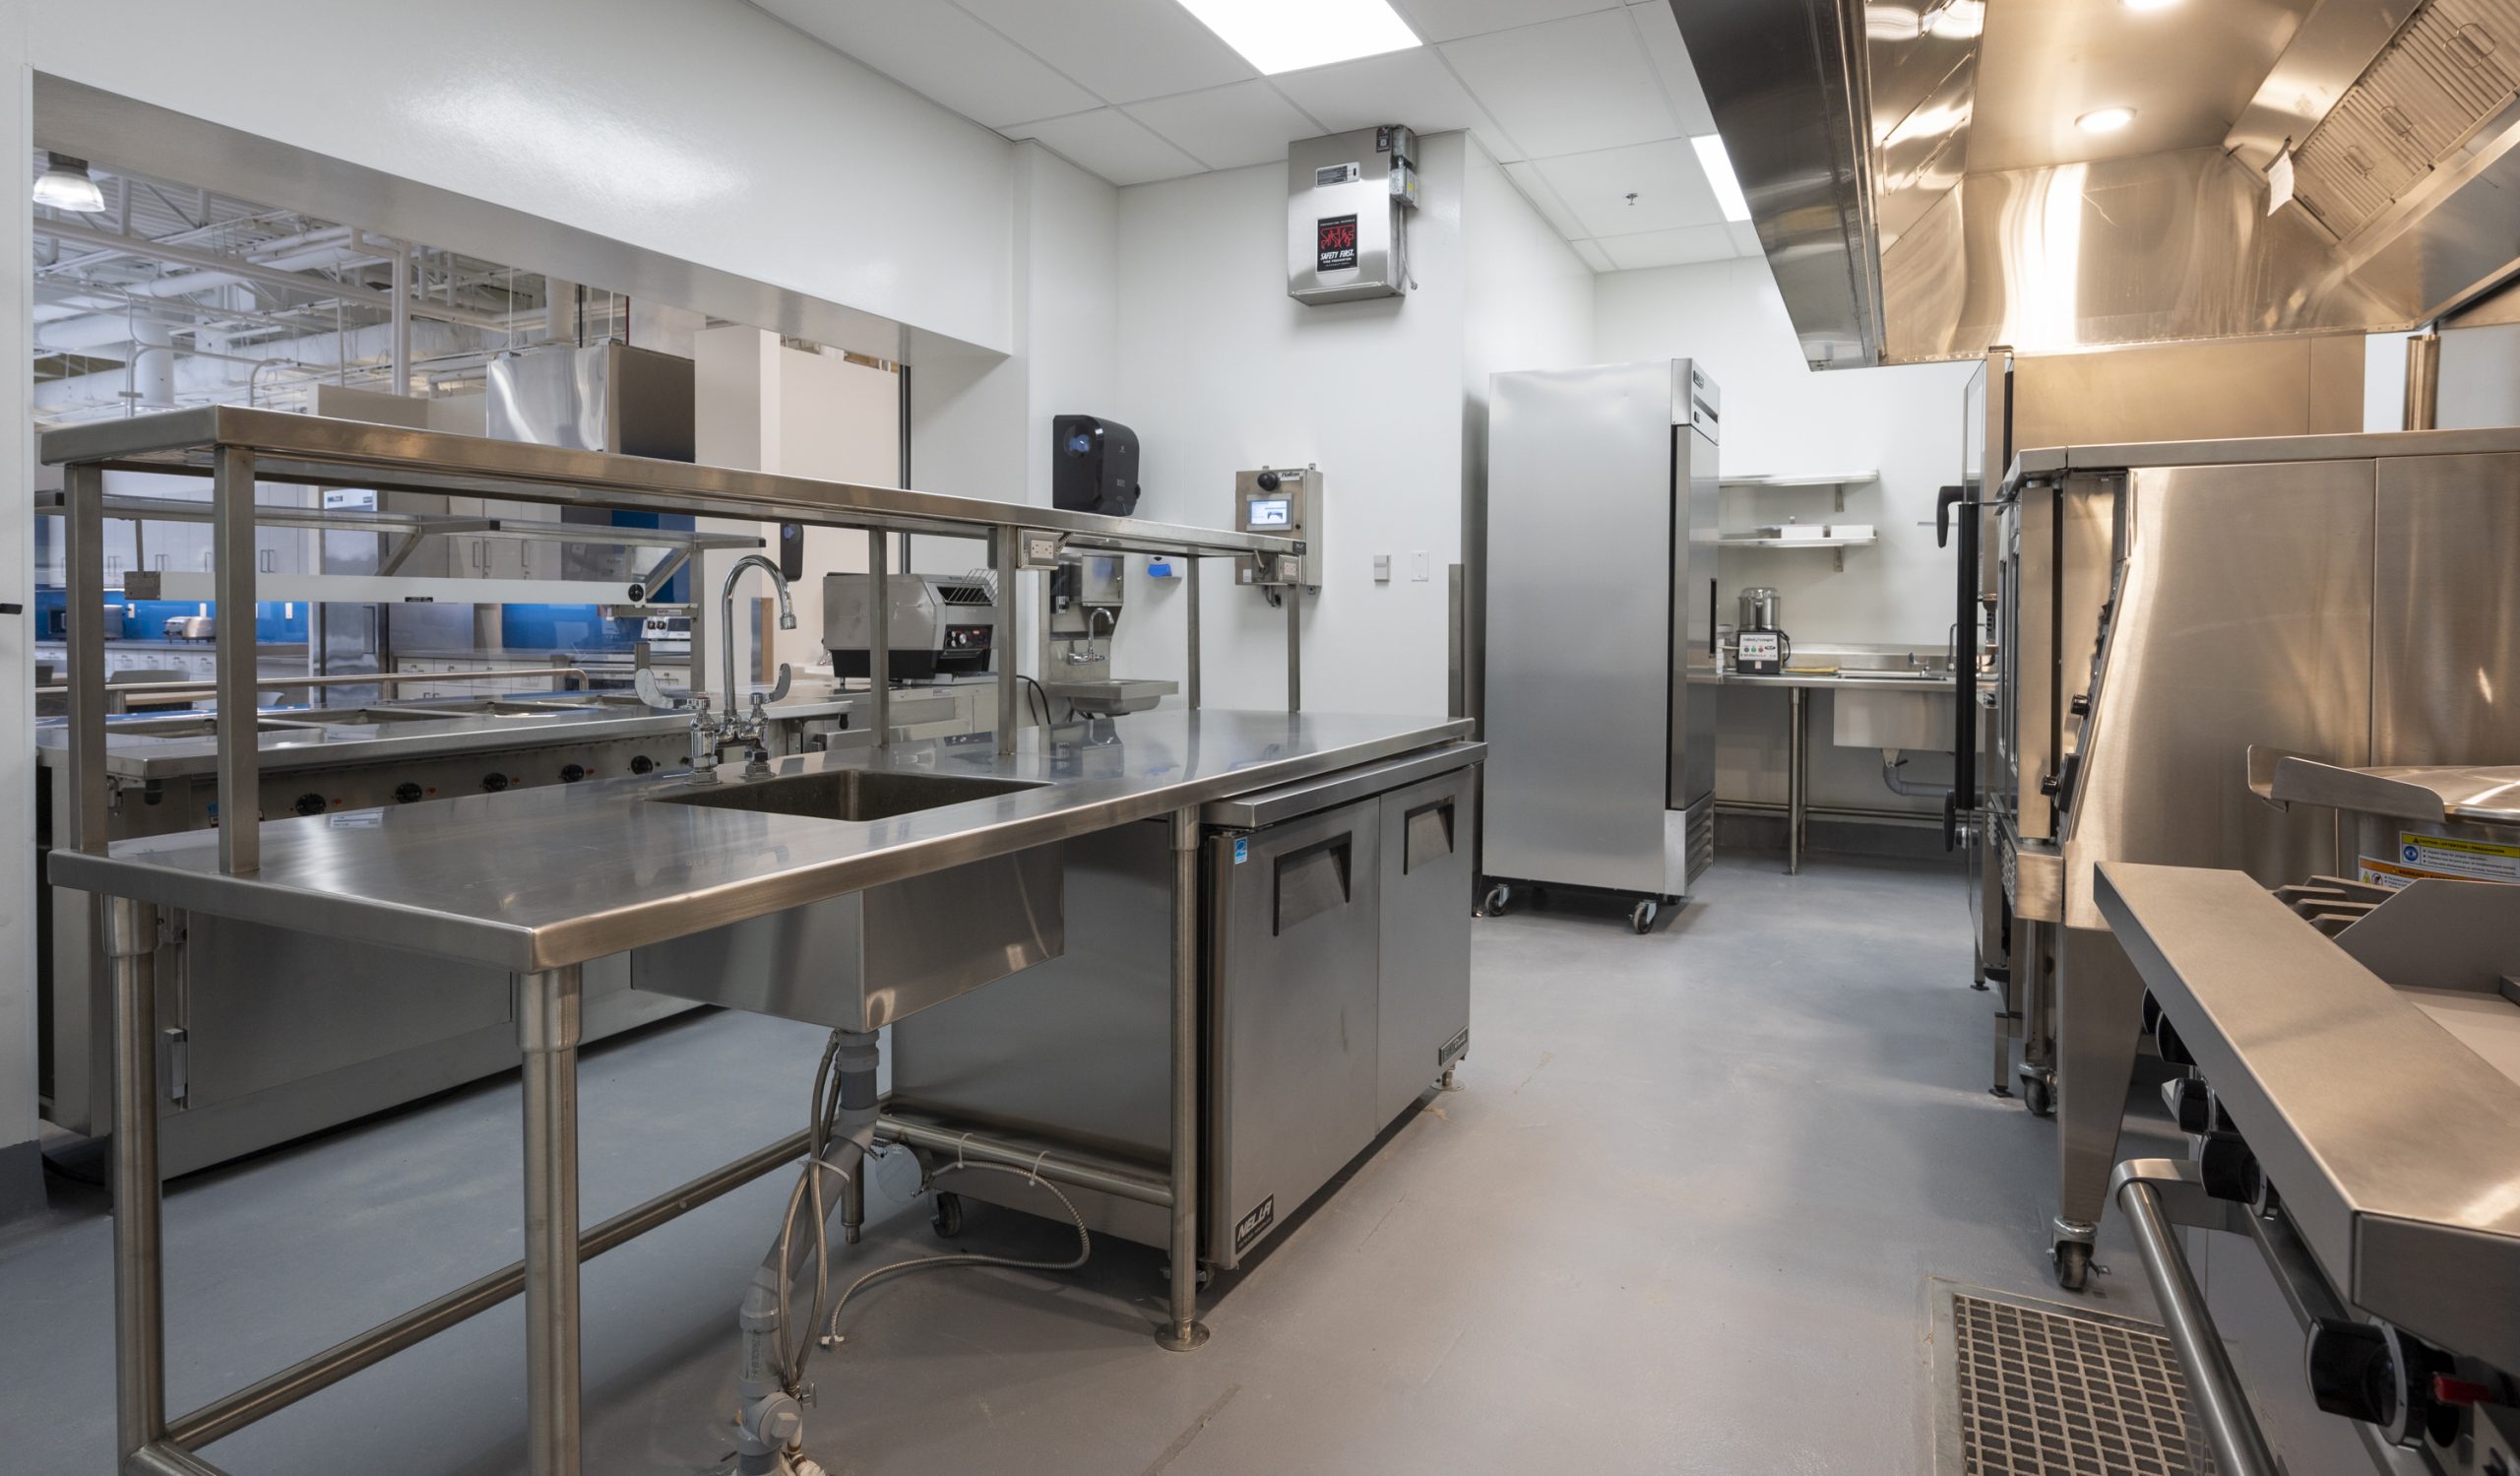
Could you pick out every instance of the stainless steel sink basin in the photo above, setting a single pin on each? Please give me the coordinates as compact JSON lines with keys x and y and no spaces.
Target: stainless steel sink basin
{"x":845,"y":793}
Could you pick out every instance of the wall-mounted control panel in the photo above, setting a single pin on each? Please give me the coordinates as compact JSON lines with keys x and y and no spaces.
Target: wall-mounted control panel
{"x":1284,"y":501}
{"x":1347,"y":202}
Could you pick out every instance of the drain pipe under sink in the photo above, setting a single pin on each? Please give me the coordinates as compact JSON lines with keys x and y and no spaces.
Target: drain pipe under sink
{"x":1892,"y":761}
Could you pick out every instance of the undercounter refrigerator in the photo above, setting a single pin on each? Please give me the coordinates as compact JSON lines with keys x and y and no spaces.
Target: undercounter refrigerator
{"x":1601,"y":631}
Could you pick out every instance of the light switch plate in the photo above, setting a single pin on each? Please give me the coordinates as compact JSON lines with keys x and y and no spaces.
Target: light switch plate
{"x":1383,"y":568}
{"x":1422,"y":566}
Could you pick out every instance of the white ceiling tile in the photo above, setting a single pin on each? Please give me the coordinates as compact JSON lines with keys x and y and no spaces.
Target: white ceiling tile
{"x":1671,"y":65}
{"x":1125,"y":50}
{"x":1670,"y":188}
{"x":1670,"y":248}
{"x":930,"y":47}
{"x":1227,"y":127}
{"x":1566,"y":86}
{"x":1112,"y":143}
{"x":1412,"y":88}
{"x":1594,"y":257}
{"x":1451,"y":20}
{"x":1746,"y":237}
{"x":1528,"y":178}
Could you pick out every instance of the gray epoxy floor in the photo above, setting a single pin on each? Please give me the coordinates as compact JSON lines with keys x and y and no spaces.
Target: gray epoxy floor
{"x":1681,"y":1217}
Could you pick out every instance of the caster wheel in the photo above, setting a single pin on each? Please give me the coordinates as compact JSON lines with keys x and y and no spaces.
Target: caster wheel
{"x":2073,"y":1264}
{"x":2039,"y":1094}
{"x":945,"y":1217}
{"x":1642,"y":917}
{"x":1497,"y":896}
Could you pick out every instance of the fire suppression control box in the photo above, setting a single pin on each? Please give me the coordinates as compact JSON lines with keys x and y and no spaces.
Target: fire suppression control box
{"x":1347,"y":202}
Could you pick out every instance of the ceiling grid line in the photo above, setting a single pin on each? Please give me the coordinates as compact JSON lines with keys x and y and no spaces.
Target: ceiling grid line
{"x":1587,"y":104}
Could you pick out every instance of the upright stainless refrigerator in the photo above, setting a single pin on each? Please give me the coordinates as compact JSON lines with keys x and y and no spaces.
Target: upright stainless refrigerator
{"x":1599,"y":697}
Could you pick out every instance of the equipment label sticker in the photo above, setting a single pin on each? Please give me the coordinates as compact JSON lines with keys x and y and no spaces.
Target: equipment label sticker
{"x":2419,"y":857}
{"x":1334,"y":243}
{"x":1249,"y":1227}
{"x":1242,"y":851}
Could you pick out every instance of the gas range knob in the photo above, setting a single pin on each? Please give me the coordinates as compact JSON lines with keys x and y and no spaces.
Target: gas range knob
{"x":2081,"y":705}
{"x":2378,"y":1375}
{"x":494,"y":782}
{"x":407,"y":793}
{"x":571,"y":773}
{"x":310,"y":804}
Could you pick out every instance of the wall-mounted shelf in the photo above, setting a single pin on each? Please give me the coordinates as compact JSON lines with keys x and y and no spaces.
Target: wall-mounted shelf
{"x":1782,"y":479}
{"x":1840,"y":480}
{"x":1837,"y":545}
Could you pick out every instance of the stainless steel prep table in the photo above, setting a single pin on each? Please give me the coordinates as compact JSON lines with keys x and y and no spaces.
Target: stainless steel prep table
{"x":592,"y":870}
{"x":1797,"y":737}
{"x":258,"y":1043}
{"x":540,"y":883}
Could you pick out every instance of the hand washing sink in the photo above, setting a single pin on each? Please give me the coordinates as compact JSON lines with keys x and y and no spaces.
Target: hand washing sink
{"x":867,"y":959}
{"x":855,"y":795}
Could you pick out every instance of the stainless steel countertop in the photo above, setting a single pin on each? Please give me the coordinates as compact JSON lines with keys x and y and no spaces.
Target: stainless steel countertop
{"x":314,"y":741}
{"x":538,"y":878}
{"x":2395,"y":1146}
{"x":1874,"y":680}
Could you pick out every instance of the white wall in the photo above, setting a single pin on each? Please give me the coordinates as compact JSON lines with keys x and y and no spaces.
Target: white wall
{"x":703,"y":129}
{"x":1220,"y":372}
{"x":1781,"y":417}
{"x":981,"y":425}
{"x":1529,"y":306}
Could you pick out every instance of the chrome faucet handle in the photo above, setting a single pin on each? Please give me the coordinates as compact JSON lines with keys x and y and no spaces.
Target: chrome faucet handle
{"x":779,"y":691}
{"x":664,"y":699}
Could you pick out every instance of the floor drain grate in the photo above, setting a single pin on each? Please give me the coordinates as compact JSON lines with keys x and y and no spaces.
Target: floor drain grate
{"x":2037,"y":1390}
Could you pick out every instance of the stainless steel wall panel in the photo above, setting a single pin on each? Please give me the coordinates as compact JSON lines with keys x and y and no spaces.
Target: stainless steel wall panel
{"x":2445,"y":618}
{"x":2243,"y":617}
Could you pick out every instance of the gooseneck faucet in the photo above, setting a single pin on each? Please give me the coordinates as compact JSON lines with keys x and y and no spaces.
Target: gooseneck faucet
{"x":726,"y":619}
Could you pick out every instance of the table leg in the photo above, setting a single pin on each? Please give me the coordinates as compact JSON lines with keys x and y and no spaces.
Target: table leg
{"x":140,"y":1288}
{"x":1796,"y":757}
{"x":548,"y":1029}
{"x":1183,"y":1331}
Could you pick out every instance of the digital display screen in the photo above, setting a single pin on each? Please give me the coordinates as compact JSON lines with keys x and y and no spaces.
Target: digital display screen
{"x":1272,"y":512}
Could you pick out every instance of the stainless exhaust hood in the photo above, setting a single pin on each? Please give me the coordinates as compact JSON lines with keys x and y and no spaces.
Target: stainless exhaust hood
{"x":1922,"y":190}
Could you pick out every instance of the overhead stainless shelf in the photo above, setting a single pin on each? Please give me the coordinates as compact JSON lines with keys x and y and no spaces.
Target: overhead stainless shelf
{"x":419,"y":524}
{"x":320,"y":451}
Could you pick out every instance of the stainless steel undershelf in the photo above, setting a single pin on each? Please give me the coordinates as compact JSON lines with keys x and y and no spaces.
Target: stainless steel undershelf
{"x":539,"y":879}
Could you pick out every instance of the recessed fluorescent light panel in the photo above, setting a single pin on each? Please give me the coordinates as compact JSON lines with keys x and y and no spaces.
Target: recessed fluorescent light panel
{"x":1718,"y":165}
{"x":1286,"y":36}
